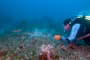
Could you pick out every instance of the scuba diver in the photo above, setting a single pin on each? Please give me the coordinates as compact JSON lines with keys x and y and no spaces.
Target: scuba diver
{"x":78,"y":28}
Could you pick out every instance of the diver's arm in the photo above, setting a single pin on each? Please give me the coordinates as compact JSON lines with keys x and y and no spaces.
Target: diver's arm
{"x":72,"y":36}
{"x":74,"y":32}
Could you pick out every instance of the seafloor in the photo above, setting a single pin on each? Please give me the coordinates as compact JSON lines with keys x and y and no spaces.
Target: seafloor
{"x":23,"y":41}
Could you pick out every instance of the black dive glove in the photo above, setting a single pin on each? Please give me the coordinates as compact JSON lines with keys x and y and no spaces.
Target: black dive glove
{"x":65,"y":40}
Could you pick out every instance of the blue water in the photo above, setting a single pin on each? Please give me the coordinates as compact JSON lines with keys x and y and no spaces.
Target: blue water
{"x":37,"y":9}
{"x":40,"y":12}
{"x":32,"y":23}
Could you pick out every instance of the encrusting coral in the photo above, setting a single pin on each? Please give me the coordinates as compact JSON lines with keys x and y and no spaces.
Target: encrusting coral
{"x":47,"y":53}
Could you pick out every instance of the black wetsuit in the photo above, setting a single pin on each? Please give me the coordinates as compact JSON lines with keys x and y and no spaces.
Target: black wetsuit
{"x":83,"y":29}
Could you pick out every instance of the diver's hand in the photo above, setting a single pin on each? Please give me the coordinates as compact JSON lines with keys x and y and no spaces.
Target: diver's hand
{"x":64,"y":39}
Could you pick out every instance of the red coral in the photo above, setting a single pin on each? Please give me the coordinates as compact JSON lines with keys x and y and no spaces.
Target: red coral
{"x":42,"y":56}
{"x":33,"y":54}
{"x":57,"y":56}
{"x":47,"y":53}
{"x":2,"y":52}
{"x":21,"y":46}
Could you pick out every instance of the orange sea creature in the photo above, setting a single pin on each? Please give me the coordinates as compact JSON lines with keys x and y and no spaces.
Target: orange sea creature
{"x":57,"y":37}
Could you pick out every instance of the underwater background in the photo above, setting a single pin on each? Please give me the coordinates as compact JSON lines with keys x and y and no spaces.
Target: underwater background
{"x":28,"y":27}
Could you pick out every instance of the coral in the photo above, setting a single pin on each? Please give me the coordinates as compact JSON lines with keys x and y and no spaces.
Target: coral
{"x":2,"y":52}
{"x":20,"y":46}
{"x":27,"y":46}
{"x":47,"y":53}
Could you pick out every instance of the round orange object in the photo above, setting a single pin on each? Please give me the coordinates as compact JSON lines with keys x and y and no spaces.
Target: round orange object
{"x":57,"y":37}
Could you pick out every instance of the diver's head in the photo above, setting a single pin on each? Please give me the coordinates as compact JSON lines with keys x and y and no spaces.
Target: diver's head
{"x":66,"y":25}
